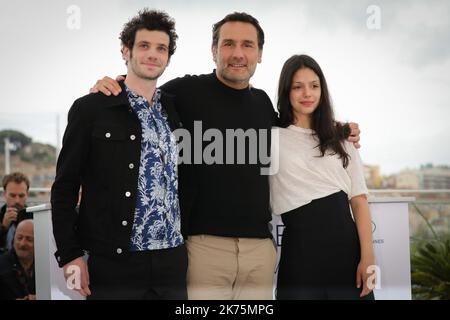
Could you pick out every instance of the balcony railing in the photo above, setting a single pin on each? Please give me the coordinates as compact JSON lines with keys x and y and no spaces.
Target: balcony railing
{"x":431,"y":207}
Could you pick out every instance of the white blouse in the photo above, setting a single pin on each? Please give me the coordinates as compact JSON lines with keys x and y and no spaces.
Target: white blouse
{"x":299,"y":175}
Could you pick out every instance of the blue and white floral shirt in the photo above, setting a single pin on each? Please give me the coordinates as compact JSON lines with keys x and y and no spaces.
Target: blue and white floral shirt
{"x":157,"y":216}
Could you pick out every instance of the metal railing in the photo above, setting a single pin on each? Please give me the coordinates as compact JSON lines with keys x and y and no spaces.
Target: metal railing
{"x":430,"y":206}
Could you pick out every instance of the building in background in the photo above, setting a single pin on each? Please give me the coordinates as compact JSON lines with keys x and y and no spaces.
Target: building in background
{"x":427,"y":177}
{"x":373,"y":176}
{"x":434,"y":177}
{"x":407,"y":179}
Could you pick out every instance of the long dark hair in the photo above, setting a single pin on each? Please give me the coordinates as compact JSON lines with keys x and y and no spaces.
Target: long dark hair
{"x":329,"y":132}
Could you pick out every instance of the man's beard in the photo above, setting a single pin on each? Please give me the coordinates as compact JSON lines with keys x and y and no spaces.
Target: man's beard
{"x":144,"y":77}
{"x":138,"y":73}
{"x":229,"y":76}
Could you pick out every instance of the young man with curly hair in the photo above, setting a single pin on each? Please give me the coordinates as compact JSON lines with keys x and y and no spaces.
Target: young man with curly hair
{"x":122,"y":151}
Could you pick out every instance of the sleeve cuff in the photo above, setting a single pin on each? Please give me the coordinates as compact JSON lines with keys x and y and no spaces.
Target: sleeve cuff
{"x":65,"y":258}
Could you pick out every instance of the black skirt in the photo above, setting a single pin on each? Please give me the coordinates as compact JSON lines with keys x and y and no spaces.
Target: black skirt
{"x":320,"y":251}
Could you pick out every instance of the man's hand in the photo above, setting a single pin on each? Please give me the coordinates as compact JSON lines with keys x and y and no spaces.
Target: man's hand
{"x":108,"y":86}
{"x":77,"y":268}
{"x":354,"y":134}
{"x":10,"y":217}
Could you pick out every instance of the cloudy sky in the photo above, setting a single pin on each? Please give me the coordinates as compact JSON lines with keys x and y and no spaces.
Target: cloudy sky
{"x":393,"y":80}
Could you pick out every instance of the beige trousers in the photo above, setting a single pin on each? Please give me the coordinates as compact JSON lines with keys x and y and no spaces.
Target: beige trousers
{"x":225,"y":268}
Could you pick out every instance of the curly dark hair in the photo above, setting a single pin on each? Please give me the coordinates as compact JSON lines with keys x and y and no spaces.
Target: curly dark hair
{"x":238,"y":17}
{"x":329,"y":132}
{"x":152,"y":20}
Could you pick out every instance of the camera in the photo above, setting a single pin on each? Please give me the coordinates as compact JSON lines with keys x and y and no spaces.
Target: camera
{"x":22,"y":214}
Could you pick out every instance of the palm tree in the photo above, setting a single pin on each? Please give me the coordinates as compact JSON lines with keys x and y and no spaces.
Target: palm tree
{"x":430,"y":266}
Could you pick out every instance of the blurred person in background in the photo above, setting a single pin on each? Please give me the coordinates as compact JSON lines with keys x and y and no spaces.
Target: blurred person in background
{"x":17,"y":278}
{"x":15,"y":192}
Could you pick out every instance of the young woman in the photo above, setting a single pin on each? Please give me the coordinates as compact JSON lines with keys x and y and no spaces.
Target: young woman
{"x":325,"y":253}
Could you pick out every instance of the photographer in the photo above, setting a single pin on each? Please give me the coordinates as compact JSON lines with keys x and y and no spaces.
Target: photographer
{"x":15,"y":186}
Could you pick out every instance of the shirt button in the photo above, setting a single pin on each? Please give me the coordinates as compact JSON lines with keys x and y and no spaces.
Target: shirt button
{"x":127,"y":194}
{"x":131,"y":166}
{"x":119,"y":251}
{"x":124,"y":223}
{"x":132,"y":137}
{"x":108,"y":135}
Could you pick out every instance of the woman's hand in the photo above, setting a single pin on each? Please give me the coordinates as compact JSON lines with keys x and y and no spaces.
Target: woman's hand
{"x":362,"y":275}
{"x":354,"y":134}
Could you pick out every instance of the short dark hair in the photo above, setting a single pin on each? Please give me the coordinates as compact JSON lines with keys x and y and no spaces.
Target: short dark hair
{"x":151,"y":20}
{"x":238,"y":17}
{"x":16,"y":177}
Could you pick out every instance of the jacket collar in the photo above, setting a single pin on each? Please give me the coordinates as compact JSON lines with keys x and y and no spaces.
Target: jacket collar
{"x":121,"y":99}
{"x":167,"y":103}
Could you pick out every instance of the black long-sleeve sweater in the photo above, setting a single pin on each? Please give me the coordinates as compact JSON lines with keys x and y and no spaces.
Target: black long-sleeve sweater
{"x":223,"y":199}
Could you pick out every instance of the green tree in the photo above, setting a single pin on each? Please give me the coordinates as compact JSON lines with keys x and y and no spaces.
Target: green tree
{"x":38,"y":153}
{"x":16,"y":138}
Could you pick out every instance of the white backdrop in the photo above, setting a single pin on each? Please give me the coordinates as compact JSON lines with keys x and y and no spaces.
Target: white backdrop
{"x":390,"y":231}
{"x":390,"y":238}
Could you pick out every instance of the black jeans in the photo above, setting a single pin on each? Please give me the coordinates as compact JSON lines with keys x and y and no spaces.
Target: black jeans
{"x":147,"y":275}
